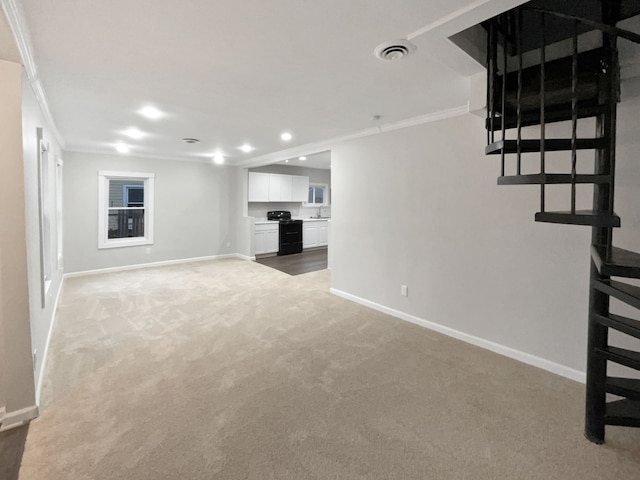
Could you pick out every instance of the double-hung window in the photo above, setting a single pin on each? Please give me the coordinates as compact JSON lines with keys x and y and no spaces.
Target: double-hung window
{"x":318,"y":195}
{"x":125,"y":206}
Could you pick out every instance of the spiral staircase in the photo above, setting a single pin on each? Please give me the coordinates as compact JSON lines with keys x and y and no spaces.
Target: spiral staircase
{"x":556,"y":62}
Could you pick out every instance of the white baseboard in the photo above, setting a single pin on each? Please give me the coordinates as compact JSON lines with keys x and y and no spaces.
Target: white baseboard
{"x":154,"y":264}
{"x":18,"y":418}
{"x":46,"y":346}
{"x":512,"y":353}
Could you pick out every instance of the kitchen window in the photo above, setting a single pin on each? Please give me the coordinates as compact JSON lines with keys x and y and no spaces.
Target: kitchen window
{"x":125,"y":209}
{"x":318,"y":195}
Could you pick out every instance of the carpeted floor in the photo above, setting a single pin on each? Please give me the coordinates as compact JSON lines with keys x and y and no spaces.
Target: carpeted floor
{"x":232,"y":370}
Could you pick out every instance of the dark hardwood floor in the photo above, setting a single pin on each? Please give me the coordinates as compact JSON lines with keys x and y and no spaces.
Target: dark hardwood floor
{"x":297,"y":263}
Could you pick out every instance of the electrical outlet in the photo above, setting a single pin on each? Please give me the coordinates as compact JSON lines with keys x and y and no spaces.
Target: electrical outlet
{"x":228,"y":244}
{"x":148,"y":250}
{"x":404,"y":290}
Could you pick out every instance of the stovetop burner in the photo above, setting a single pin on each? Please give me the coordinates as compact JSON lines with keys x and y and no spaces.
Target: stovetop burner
{"x":281,"y":215}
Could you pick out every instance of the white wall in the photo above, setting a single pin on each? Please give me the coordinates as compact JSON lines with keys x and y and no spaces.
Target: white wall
{"x":420,"y":207}
{"x":196,"y":211}
{"x":42,"y":317}
{"x":17,"y":387}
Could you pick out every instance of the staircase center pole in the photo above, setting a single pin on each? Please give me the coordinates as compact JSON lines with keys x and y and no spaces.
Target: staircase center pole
{"x":595,"y":408}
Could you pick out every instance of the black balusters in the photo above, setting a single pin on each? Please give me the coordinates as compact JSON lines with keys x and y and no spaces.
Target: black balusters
{"x":519,"y":95}
{"x":542,"y":108}
{"x":574,"y":115}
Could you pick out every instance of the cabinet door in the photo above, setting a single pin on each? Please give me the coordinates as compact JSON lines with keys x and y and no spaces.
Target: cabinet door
{"x":299,"y":188}
{"x":309,"y":235}
{"x":258,"y":187}
{"x":273,"y":243}
{"x":285,"y":188}
{"x":279,"y":188}
{"x":323,"y":233}
{"x":261,"y":242}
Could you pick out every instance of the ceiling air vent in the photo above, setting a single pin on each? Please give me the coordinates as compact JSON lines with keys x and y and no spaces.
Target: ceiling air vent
{"x":394,"y":50}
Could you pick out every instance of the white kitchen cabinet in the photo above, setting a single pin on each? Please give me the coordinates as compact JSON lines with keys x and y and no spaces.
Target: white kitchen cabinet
{"x":299,"y":188}
{"x":276,"y":187}
{"x":279,"y":187}
{"x":309,"y":235}
{"x":315,"y":233}
{"x":267,"y":238}
{"x":323,"y":233}
{"x":258,"y":190}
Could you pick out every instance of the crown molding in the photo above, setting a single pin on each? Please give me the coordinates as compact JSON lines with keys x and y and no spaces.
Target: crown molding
{"x":324,"y":145}
{"x":20,"y":30}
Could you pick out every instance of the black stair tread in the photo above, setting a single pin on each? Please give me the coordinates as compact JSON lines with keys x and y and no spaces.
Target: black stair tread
{"x":550,"y":145}
{"x":623,"y":412}
{"x":620,"y":323}
{"x":580,"y":217}
{"x":616,"y":262}
{"x":629,"y":294}
{"x":558,"y":113}
{"x":625,"y":357}
{"x":624,"y":387}
{"x":551,"y":179}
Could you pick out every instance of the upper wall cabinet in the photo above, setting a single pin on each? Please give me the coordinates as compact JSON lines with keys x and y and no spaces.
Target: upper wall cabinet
{"x":258,"y":187}
{"x":274,"y":187}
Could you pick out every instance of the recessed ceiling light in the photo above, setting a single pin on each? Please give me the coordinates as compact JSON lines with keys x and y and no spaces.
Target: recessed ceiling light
{"x":286,"y":161}
{"x":190,"y":140}
{"x":302,"y":159}
{"x":246,"y":148}
{"x":151,"y":112}
{"x":122,"y":148}
{"x":133,"y":133}
{"x":286,"y":136}
{"x":218,"y":159}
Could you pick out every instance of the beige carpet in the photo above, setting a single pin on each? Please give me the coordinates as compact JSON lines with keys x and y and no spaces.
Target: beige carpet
{"x":232,"y":370}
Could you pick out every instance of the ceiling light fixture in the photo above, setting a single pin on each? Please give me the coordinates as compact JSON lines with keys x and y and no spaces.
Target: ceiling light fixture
{"x":394,"y":50}
{"x":151,"y":112}
{"x":286,"y":136}
{"x":122,"y":148}
{"x":190,"y":140}
{"x":218,"y":159}
{"x":133,"y":132}
{"x":302,"y":159}
{"x":246,"y":148}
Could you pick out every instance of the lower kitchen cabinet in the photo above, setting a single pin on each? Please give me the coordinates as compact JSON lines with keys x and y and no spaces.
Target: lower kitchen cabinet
{"x":267,"y":238}
{"x":315,"y":233}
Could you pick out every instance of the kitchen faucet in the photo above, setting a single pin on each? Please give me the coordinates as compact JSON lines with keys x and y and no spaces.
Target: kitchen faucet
{"x":319,"y":215}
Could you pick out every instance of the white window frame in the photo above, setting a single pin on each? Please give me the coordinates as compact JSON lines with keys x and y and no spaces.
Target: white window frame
{"x":44,"y":214}
{"x":324,"y":186}
{"x":103,"y":209}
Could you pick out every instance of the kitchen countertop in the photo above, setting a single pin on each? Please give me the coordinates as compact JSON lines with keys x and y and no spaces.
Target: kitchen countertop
{"x":264,"y":221}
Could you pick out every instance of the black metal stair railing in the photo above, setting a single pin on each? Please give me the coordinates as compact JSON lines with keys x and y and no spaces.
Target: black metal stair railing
{"x":582,"y":84}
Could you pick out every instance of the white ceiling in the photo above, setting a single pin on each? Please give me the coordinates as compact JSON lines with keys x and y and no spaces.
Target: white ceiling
{"x":245,"y":71}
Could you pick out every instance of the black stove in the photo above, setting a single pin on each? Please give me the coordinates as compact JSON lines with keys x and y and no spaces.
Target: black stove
{"x":290,"y":232}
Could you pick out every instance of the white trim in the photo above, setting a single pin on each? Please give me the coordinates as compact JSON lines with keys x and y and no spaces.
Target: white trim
{"x":19,"y":417}
{"x":154,"y":264}
{"x":18,"y":25}
{"x":104,"y":176}
{"x":110,"y":152}
{"x":324,"y":145}
{"x":509,"y":352}
{"x":46,"y":345}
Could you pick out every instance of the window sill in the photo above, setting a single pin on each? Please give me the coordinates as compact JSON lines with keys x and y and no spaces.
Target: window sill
{"x":124,"y":242}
